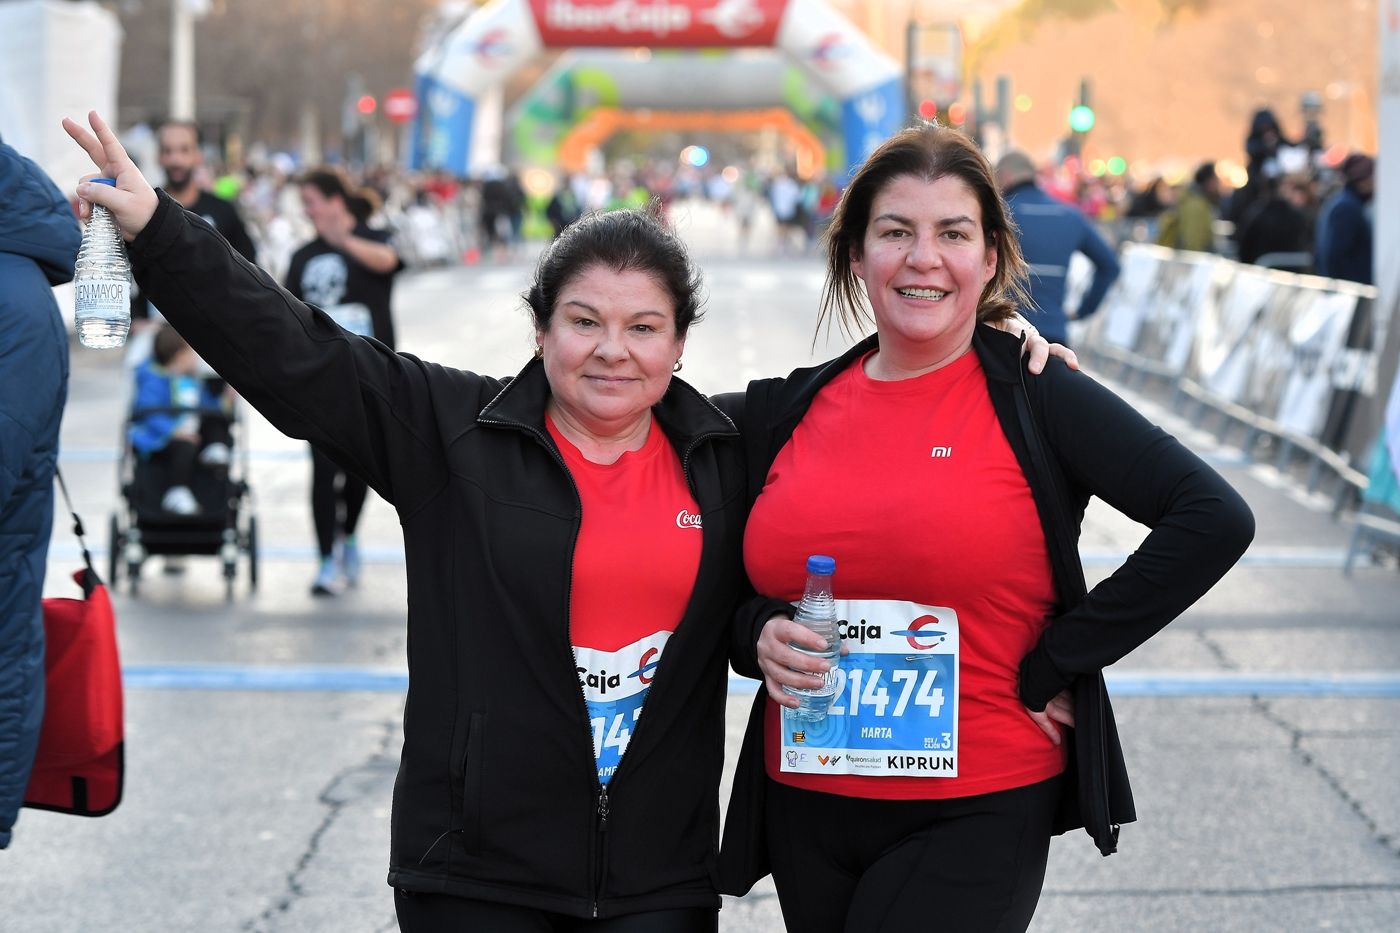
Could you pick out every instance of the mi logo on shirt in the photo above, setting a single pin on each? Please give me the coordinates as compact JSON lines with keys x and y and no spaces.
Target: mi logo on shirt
{"x":941,"y":453}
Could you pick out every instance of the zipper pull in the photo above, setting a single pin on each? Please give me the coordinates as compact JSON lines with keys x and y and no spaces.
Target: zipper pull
{"x":603,"y":810}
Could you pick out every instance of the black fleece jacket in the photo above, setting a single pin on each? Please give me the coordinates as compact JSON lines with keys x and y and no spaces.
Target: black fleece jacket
{"x":1073,"y":439}
{"x":497,"y":796}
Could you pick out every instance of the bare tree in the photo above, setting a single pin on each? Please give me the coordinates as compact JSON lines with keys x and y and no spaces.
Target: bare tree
{"x":261,"y":63}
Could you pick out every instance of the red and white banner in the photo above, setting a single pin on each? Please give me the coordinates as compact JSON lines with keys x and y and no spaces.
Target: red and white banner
{"x":658,"y":23}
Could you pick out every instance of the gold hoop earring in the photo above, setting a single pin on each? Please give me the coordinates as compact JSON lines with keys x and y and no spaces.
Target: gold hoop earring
{"x":677,"y":367}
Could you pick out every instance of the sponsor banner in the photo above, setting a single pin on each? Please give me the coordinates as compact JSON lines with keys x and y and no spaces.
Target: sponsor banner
{"x":1317,"y":336}
{"x":1385,"y":207}
{"x":484,"y":51}
{"x":442,"y":132}
{"x":1392,"y":426}
{"x":1124,"y":308}
{"x":658,"y":23}
{"x":870,"y":118}
{"x":1226,"y":331}
{"x":1185,"y":289}
{"x":896,"y":705}
{"x":830,"y":47}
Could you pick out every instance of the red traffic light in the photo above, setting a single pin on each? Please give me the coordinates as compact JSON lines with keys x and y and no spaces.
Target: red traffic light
{"x":928,"y":110}
{"x":957,"y":114}
{"x":366,"y":104}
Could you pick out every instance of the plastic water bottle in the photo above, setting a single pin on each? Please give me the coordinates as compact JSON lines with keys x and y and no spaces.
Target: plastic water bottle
{"x":102,"y":281}
{"x":817,"y":612}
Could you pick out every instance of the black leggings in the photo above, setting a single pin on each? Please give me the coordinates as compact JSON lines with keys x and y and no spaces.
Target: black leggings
{"x":180,"y":455}
{"x":327,"y":500}
{"x":443,"y":913}
{"x":851,"y":865}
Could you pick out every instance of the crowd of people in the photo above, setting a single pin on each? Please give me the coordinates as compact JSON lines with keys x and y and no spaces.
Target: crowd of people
{"x":1301,"y":208}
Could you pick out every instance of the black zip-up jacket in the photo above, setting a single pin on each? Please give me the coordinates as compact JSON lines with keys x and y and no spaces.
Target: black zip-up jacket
{"x":497,"y":794}
{"x":1073,"y":439}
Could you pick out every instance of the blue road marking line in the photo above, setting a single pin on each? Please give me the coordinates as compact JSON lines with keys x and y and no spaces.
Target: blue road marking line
{"x":110,"y":454}
{"x":263,"y":677}
{"x":346,"y":678}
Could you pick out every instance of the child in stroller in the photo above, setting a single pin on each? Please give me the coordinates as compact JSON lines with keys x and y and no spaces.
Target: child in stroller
{"x":178,"y":421}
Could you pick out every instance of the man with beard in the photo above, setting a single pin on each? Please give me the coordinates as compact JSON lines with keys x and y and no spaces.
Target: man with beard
{"x":181,"y":158}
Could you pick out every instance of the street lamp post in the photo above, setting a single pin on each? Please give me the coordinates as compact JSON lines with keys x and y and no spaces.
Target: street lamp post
{"x":183,"y":14}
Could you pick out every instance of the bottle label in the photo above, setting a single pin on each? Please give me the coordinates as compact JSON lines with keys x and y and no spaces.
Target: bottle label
{"x":102,"y":297}
{"x":896,"y":705}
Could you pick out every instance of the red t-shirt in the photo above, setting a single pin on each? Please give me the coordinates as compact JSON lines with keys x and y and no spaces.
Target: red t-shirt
{"x":913,"y":488}
{"x":635,"y":561}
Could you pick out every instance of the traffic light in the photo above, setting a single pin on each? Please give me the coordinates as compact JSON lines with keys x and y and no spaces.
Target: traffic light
{"x":1081,"y":118}
{"x":928,"y":110}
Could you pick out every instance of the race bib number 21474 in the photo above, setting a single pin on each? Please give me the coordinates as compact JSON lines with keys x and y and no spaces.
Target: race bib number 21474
{"x":896,"y":707}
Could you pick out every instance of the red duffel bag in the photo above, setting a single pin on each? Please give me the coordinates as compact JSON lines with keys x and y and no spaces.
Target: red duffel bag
{"x":79,"y":766}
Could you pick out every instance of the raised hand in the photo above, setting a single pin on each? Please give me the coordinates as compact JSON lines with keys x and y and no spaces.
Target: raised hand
{"x":133,"y":200}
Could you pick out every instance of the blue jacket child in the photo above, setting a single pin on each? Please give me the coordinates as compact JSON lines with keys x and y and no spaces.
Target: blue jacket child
{"x":169,"y":379}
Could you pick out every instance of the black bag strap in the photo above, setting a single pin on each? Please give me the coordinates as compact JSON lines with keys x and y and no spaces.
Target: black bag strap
{"x":90,"y":580}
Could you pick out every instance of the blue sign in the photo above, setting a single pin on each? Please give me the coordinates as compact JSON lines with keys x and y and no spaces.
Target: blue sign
{"x":442,"y":130}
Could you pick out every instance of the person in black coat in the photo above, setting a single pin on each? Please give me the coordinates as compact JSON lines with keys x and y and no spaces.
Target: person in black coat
{"x":1279,"y":224}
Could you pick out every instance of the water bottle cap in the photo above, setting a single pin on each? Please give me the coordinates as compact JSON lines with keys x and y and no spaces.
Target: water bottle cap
{"x":104,"y":181}
{"x":820,"y":563}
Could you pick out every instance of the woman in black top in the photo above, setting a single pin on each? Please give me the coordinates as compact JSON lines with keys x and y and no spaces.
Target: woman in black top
{"x":347,"y":271}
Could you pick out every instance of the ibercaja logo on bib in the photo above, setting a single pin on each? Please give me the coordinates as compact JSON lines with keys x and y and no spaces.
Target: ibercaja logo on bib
{"x":896,"y":707}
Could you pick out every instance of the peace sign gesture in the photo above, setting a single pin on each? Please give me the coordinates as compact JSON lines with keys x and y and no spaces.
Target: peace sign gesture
{"x":133,"y":200}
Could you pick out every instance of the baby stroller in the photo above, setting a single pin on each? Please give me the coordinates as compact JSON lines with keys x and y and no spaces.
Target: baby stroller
{"x":222,"y":526}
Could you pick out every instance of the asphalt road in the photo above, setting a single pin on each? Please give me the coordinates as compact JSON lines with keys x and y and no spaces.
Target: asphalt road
{"x":1260,"y":728}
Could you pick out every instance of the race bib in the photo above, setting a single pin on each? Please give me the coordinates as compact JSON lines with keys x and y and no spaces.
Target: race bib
{"x":896,"y":706}
{"x":615,"y":684}
{"x":354,"y":317}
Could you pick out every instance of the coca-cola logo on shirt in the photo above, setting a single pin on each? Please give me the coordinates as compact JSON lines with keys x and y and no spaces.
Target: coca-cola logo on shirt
{"x":686,"y":520}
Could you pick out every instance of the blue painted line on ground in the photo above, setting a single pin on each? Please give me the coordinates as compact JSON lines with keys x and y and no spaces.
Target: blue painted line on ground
{"x":110,"y":455}
{"x":294,"y":678}
{"x":345,"y":678}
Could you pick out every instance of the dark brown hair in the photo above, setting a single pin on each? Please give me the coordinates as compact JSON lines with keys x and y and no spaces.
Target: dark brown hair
{"x":624,"y":241}
{"x":332,"y":182}
{"x":168,"y":342}
{"x":928,"y":152}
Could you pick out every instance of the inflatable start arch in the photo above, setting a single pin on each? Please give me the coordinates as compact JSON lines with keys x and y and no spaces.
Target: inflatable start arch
{"x":458,"y":80}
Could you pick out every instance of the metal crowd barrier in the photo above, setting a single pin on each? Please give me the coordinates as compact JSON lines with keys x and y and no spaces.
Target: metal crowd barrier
{"x":1282,"y":356}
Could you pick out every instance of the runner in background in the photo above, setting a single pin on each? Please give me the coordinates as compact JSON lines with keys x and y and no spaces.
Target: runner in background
{"x":348,"y":272}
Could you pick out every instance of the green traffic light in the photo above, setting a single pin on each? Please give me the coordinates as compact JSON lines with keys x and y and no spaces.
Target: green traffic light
{"x":1081,"y":119}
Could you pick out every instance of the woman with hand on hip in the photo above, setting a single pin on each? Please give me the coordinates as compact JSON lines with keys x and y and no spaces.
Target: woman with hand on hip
{"x":949,"y":488}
